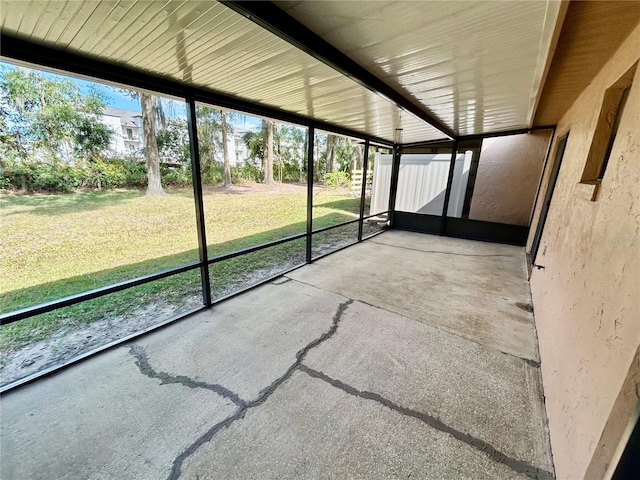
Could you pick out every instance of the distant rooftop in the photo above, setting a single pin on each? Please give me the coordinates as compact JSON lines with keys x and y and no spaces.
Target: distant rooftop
{"x":126,"y":116}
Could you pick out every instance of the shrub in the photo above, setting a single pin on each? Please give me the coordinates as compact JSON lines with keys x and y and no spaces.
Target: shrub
{"x":338,"y":178}
{"x":101,"y":173}
{"x":135,"y":173}
{"x":41,"y":176}
{"x":247,"y":173}
{"x":105,"y":174}
{"x":176,"y":177}
{"x":290,"y":172}
{"x":55,"y":178}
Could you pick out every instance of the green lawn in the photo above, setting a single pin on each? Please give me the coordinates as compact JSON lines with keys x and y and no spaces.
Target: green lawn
{"x":52,"y":246}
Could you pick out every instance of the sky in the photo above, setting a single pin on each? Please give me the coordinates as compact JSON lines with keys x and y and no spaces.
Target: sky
{"x":114,"y":98}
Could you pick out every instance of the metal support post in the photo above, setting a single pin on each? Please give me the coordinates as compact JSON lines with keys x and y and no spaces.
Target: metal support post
{"x":197,"y":194}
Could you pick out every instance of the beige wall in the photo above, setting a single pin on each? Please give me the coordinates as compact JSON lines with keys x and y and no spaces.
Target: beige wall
{"x":508,"y":176}
{"x":587,"y":298}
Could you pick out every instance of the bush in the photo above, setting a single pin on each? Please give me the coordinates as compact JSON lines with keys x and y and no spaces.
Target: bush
{"x":56,"y":178}
{"x":290,"y":172}
{"x":247,"y":172}
{"x":175,"y":177}
{"x":53,"y":178}
{"x":105,"y":173}
{"x":338,"y":178}
{"x":41,"y":176}
{"x":135,"y":173}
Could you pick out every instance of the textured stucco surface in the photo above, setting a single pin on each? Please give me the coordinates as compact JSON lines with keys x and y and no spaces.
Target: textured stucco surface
{"x":508,"y":176}
{"x":587,"y":298}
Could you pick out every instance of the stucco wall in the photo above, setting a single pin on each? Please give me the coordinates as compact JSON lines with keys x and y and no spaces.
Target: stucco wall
{"x":587,"y":298}
{"x":507,"y":179}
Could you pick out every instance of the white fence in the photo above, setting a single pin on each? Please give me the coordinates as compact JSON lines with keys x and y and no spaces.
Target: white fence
{"x":422,"y":183}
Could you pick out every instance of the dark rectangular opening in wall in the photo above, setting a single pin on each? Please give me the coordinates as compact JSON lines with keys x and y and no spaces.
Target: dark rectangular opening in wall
{"x":560,"y":148}
{"x":611,"y":111}
{"x":629,"y":464}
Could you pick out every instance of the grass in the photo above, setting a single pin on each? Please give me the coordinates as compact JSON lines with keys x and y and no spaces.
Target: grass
{"x":52,"y":246}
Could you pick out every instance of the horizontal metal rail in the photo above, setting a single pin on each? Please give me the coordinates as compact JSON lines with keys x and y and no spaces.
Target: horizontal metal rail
{"x":157,"y":326}
{"x":46,"y":307}
{"x":331,"y":227}
{"x":386,"y":212}
{"x":244,"y":251}
{"x":257,"y":284}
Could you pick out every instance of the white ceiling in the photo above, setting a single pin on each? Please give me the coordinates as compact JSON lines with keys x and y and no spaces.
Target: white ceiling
{"x":476,"y":65}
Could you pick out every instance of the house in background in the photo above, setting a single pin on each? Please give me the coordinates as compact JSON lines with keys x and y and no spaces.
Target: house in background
{"x":237,"y":147}
{"x":128,"y":137}
{"x":127,"y":128}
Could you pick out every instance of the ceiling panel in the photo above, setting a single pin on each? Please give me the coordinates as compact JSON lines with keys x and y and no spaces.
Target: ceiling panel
{"x":591,"y":33}
{"x":476,"y":65}
{"x":210,"y":46}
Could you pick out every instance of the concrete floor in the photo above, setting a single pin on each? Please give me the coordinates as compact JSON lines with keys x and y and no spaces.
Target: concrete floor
{"x":406,"y":356}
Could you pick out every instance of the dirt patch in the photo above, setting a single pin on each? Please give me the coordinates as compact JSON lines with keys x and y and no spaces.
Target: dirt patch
{"x":244,"y":188}
{"x":71,"y":342}
{"x":274,"y":189}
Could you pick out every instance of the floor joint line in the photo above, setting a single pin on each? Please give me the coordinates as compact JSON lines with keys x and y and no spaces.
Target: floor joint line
{"x":434,"y":422}
{"x":442,"y":253}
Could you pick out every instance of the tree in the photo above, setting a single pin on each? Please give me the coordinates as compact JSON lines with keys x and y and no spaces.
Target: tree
{"x":225,"y":149}
{"x":261,"y":145}
{"x":92,"y":137}
{"x":209,"y":140}
{"x":214,"y":130}
{"x":267,"y":125}
{"x":328,"y":162}
{"x":287,"y":147}
{"x":290,"y":152}
{"x":50,"y":118}
{"x":173,"y":142}
{"x":152,"y":157}
{"x":359,"y":158}
{"x":153,"y":119}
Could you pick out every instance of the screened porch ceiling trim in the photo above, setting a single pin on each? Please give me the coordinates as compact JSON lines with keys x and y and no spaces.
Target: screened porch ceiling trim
{"x":472,"y":67}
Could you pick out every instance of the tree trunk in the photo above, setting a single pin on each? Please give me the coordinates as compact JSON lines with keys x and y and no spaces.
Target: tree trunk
{"x":331,"y":140}
{"x":154,"y":185}
{"x":280,"y":162}
{"x":304,"y":167}
{"x":359,"y":158}
{"x":268,"y":153}
{"x":225,"y":150}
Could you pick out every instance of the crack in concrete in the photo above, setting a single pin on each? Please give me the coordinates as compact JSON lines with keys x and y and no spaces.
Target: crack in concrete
{"x":284,"y":280}
{"x":142,"y":361}
{"x":313,"y":286}
{"x":434,"y":422}
{"x":263,"y":395}
{"x":442,"y":253}
{"x":533,"y":363}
